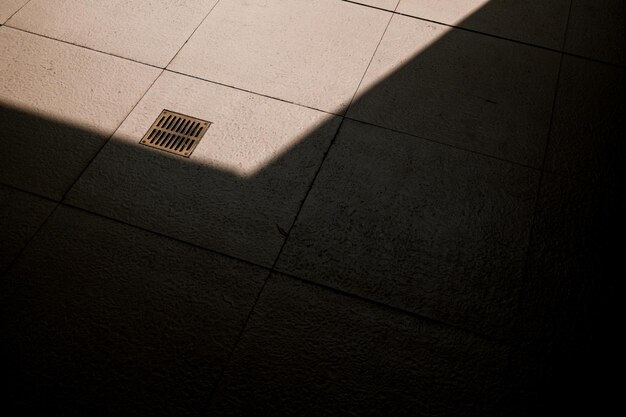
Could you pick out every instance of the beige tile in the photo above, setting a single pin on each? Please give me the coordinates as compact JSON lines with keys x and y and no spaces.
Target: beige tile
{"x":8,"y":7}
{"x":21,"y":214}
{"x":58,"y":104}
{"x":537,"y":22}
{"x":382,"y":4}
{"x":596,"y":30}
{"x":145,"y":31}
{"x":307,"y":52}
{"x":468,"y":90}
{"x":242,"y":185}
{"x":417,"y":225}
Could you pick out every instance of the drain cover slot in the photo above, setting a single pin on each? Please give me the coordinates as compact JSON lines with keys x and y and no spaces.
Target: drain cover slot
{"x":175,"y":133}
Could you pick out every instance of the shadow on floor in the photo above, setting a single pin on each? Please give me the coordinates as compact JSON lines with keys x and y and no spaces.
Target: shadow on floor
{"x":447,"y":227}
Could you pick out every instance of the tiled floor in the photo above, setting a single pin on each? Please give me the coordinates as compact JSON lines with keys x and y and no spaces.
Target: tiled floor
{"x":401,"y":207}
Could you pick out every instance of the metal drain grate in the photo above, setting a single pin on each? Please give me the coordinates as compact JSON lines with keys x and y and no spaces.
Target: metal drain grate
{"x":175,"y":133}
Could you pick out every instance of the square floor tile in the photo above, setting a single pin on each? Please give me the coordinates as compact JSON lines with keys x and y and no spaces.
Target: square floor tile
{"x":420,"y":226}
{"x":144,"y":31}
{"x":308,"y":52}
{"x":465,"y":89}
{"x":537,"y":22}
{"x":241,"y":188}
{"x":99,"y":318}
{"x":596,"y":30}
{"x":8,"y":7}
{"x":309,"y":351}
{"x":58,"y":105}
{"x":21,"y":214}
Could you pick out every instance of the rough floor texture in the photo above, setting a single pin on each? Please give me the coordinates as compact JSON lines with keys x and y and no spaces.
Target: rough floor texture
{"x":401,"y":207}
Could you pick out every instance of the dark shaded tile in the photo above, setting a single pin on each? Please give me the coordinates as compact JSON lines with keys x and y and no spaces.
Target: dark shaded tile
{"x":465,"y":89}
{"x":21,"y":214}
{"x":58,"y":105}
{"x":539,"y":23}
{"x":100,"y":318}
{"x":596,"y":30}
{"x":417,"y":225}
{"x":309,"y":351}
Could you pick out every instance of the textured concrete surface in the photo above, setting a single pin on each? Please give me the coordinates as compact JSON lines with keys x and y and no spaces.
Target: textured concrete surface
{"x":21,"y":214}
{"x":60,"y":104}
{"x":416,"y":225}
{"x":9,"y":7}
{"x":450,"y":245}
{"x":381,"y":4}
{"x":258,"y":45}
{"x":144,"y":31}
{"x":464,"y":89}
{"x":596,"y":30}
{"x":307,"y":351}
{"x":539,"y":23}
{"x":134,"y":324}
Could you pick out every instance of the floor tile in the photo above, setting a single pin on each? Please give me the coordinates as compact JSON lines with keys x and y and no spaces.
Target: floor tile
{"x":596,"y":30}
{"x":538,"y":23}
{"x":21,"y":214}
{"x":8,"y":7}
{"x":58,"y":105}
{"x":469,"y":90}
{"x":382,"y":4}
{"x":134,"y":324}
{"x":580,"y":209}
{"x":416,"y":225}
{"x":141,"y":30}
{"x":308,"y":52}
{"x":308,"y":351}
{"x":240,"y":190}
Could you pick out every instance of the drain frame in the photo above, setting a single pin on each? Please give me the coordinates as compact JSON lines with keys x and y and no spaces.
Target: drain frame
{"x":175,"y":133}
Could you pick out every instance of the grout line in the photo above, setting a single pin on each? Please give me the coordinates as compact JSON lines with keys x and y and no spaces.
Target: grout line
{"x":192,"y":33}
{"x":492,"y":35}
{"x":569,"y":18}
{"x":43,"y":197}
{"x":163,"y":235}
{"x":319,"y":169}
{"x":418,"y":316}
{"x":251,"y":92}
{"x":226,"y":363}
{"x":370,"y":6}
{"x":357,"y":120}
{"x":83,"y":47}
{"x":28,"y":242}
{"x":446,"y":144}
{"x":14,"y":13}
{"x":109,"y":138}
{"x":368,"y":65}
